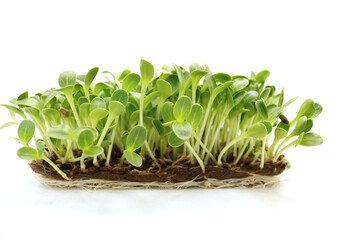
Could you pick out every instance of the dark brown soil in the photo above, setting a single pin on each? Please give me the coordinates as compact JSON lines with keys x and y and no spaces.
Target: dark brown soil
{"x":160,"y":172}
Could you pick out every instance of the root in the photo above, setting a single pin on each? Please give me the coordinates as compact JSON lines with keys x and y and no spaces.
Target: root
{"x":97,"y":184}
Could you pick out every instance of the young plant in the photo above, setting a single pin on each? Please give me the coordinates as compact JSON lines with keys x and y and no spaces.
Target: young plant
{"x":166,"y":116}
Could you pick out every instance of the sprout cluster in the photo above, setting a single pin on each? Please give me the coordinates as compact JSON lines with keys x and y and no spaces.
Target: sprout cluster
{"x":163,"y":114}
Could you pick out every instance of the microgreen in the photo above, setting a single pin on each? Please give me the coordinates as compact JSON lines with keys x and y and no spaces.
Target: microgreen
{"x":188,"y":112}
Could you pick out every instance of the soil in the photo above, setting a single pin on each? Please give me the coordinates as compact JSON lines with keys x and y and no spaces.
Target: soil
{"x":159,"y":171}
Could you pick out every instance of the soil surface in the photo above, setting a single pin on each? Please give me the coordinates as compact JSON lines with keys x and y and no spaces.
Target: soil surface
{"x":159,"y":171}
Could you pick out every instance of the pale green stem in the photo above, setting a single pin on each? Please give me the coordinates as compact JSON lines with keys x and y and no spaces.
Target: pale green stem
{"x":255,"y":157}
{"x":252,"y":144}
{"x":122,"y":160}
{"x":113,"y":134}
{"x":241,"y":151}
{"x":282,"y":150}
{"x":228,"y":146}
{"x":82,"y":164}
{"x":52,"y":164}
{"x":201,"y":163}
{"x":263,"y":154}
{"x":204,"y":148}
{"x":68,"y":151}
{"x":73,"y":109}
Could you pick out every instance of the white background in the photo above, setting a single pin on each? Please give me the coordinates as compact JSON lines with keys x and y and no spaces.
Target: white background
{"x":310,"y":47}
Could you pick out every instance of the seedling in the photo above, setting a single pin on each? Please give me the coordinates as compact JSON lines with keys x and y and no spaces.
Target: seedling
{"x":167,"y":118}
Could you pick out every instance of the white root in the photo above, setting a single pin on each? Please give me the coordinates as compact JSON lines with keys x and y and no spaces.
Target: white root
{"x":96,"y":184}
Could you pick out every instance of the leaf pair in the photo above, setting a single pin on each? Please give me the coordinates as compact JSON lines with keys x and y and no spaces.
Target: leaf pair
{"x":29,"y":153}
{"x":85,"y":141}
{"x":135,"y":140}
{"x":186,"y":118}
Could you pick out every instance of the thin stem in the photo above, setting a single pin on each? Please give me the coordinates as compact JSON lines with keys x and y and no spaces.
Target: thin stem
{"x":201,"y":163}
{"x":73,"y":109}
{"x":228,"y":146}
{"x":68,"y":151}
{"x":52,"y":164}
{"x":241,"y":152}
{"x":263,"y":154}
{"x":82,"y":164}
{"x":204,"y":148}
{"x":112,"y":143}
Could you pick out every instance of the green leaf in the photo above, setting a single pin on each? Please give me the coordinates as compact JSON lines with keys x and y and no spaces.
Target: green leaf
{"x":136,"y":138}
{"x":89,"y":78}
{"x":174,"y":82}
{"x":164,"y":89}
{"x":134,"y":118}
{"x":116,"y":108}
{"x":167,"y":112}
{"x":258,"y":130}
{"x":52,"y":116}
{"x":62,"y":131}
{"x":318,"y":110}
{"x":195,"y":66}
{"x":266,"y":93}
{"x":195,"y":115}
{"x":147,"y":72}
{"x":40,"y":146}
{"x":96,"y":115}
{"x":149,"y":98}
{"x":15,"y":110}
{"x":284,"y":126}
{"x":308,"y":126}
{"x":124,"y":74}
{"x":221,"y":77}
{"x":67,"y":78}
{"x":249,"y":97}
{"x":307,"y":109}
{"x":239,"y":84}
{"x":300,"y":126}
{"x":120,"y":96}
{"x":221,"y":88}
{"x":133,"y":158}
{"x":82,"y":100}
{"x":180,"y":76}
{"x":182,"y":108}
{"x":80,"y":129}
{"x":8,"y":124}
{"x":268,"y":126}
{"x":195,"y":77}
{"x":97,"y":103}
{"x":130,"y":82}
{"x":99,"y":87}
{"x":93,"y":151}
{"x":273,"y":111}
{"x":33,"y":102}
{"x":22,"y":96}
{"x":281,"y":98}
{"x":174,"y":141}
{"x":27,"y":153}
{"x":84,"y":111}
{"x":85,"y":139}
{"x":311,"y":139}
{"x":106,"y":143}
{"x":50,"y":96}
{"x":26,"y":130}
{"x":182,"y":130}
{"x":262,"y":76}
{"x":290,"y":102}
{"x":159,"y":127}
{"x":261,"y":109}
{"x":210,"y":81}
{"x":280,"y":133}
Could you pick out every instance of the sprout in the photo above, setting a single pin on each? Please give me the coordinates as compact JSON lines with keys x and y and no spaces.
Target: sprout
{"x":162,"y":116}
